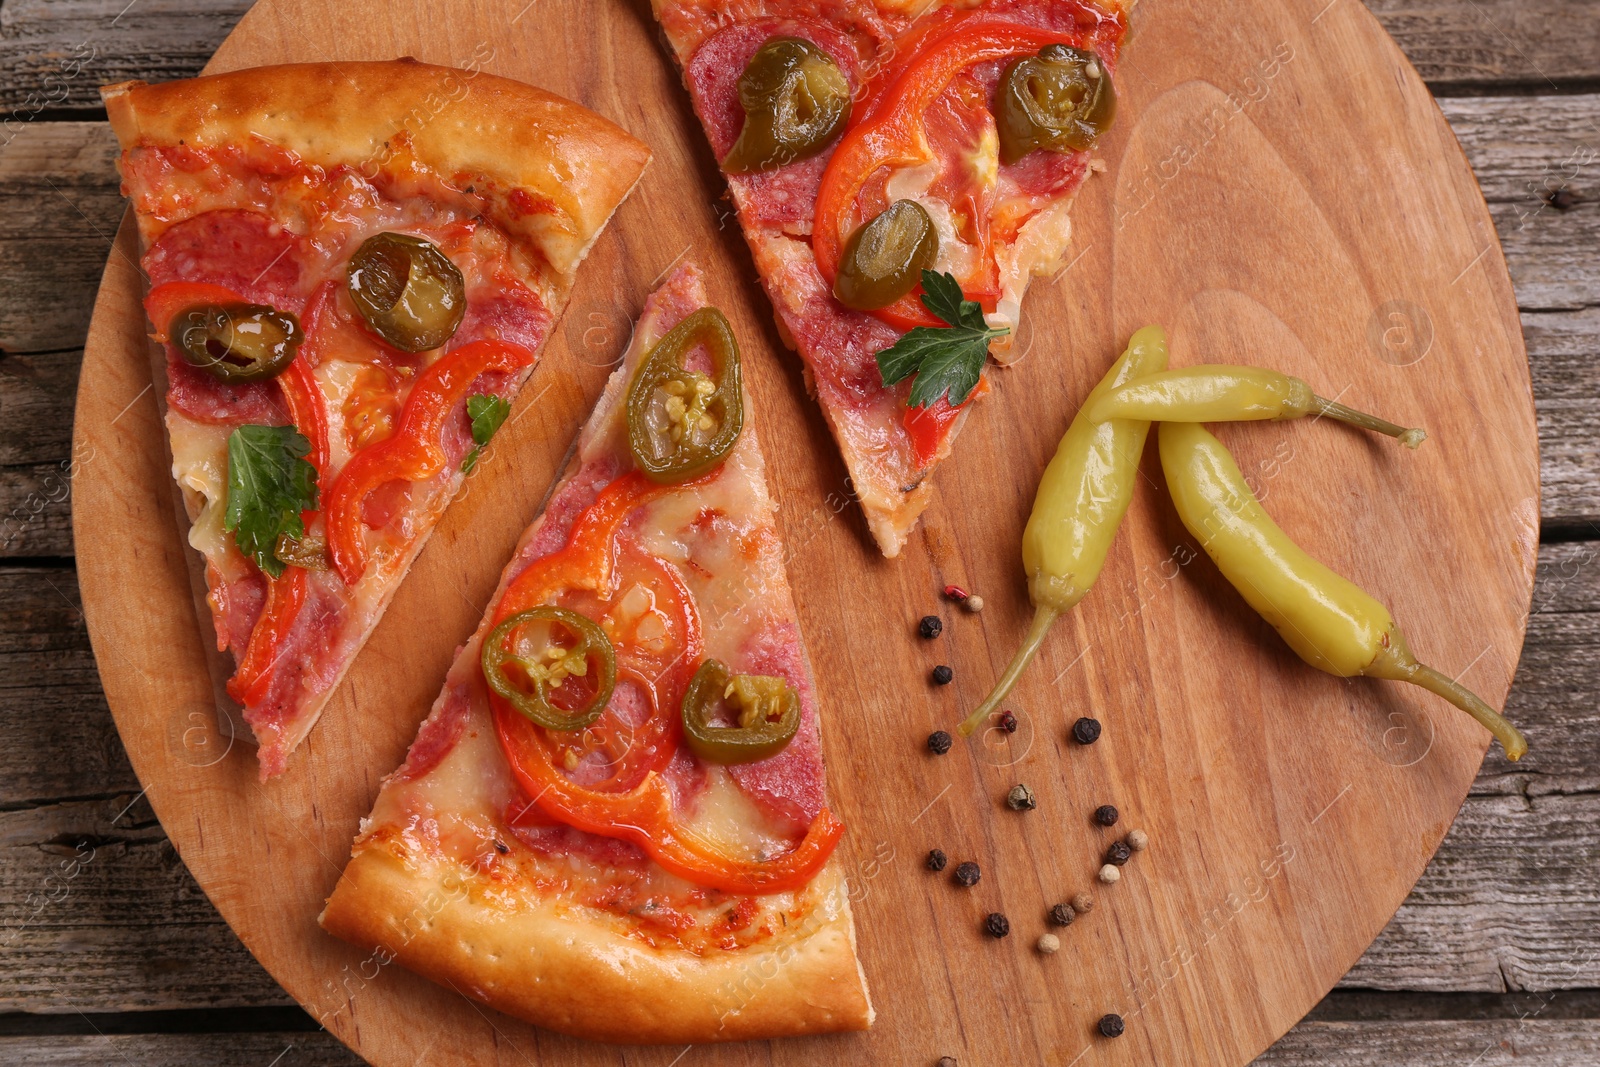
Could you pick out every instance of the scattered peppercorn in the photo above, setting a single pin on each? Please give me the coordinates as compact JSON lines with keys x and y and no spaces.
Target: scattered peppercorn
{"x":967,"y":874}
{"x":930,"y":627}
{"x":947,"y":1061}
{"x":1082,"y":903}
{"x":937,"y":859}
{"x":1021,"y":798}
{"x":1118,"y":853}
{"x":1062,"y":915}
{"x":997,"y":925}
{"x":942,"y":675}
{"x":956,"y":593}
{"x":1112,"y":1025}
{"x":1138,"y":840}
{"x":1049,"y":944}
{"x":1086,"y":731}
{"x":973,"y":603}
{"x":501,"y":847}
{"x":939,"y":742}
{"x":1106,"y":815}
{"x":1008,"y":722}
{"x":1110,"y":875}
{"x":1562,"y":199}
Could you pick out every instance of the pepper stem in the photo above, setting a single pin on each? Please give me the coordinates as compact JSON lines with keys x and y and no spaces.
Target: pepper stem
{"x":1334,"y":410}
{"x":1043,"y":616}
{"x":1395,"y":661}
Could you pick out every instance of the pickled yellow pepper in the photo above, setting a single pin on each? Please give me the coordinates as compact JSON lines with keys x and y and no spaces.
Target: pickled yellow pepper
{"x":1219,"y":393}
{"x":1328,"y":621}
{"x":1082,"y":497}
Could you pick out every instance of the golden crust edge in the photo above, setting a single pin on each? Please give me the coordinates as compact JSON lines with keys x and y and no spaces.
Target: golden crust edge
{"x":548,"y":965}
{"x":467,"y":121}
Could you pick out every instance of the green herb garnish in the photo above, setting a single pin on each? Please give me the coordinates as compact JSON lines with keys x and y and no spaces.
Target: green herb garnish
{"x":269,"y":485}
{"x":487,"y":413}
{"x":945,"y":359}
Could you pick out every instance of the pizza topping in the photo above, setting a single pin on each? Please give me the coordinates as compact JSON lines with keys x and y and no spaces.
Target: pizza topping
{"x":884,"y":260}
{"x":237,"y":342}
{"x":407,"y":290}
{"x":486,"y":412}
{"x":1060,"y":100}
{"x":683,"y":422}
{"x":415,"y":451}
{"x":795,"y":100}
{"x":948,"y":361}
{"x":286,"y":595}
{"x":767,"y":714}
{"x":269,"y":485}
{"x":533,"y":674}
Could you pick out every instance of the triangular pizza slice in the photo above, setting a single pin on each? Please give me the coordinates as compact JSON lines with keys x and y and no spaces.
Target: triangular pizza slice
{"x":865,"y":143}
{"x":352,"y":268}
{"x":613,"y":822}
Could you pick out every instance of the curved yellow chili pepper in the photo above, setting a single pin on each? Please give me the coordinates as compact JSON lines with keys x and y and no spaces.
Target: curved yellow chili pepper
{"x":1328,"y":621}
{"x":1218,"y":393}
{"x":1082,"y":497}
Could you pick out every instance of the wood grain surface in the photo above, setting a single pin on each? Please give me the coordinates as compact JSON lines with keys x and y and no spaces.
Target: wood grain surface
{"x":1218,"y":771}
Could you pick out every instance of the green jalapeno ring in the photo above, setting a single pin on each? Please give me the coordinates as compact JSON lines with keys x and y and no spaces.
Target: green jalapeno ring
{"x":237,"y":342}
{"x":1059,"y":100}
{"x":592,"y":643}
{"x":884,"y":259}
{"x":795,"y":100}
{"x":407,"y":291}
{"x":759,"y":738}
{"x":690,"y":454}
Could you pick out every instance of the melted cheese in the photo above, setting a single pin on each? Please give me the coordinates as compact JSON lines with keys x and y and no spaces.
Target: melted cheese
{"x":200,"y":466}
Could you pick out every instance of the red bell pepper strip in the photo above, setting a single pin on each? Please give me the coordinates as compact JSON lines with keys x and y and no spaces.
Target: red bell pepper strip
{"x":637,"y":807}
{"x":415,"y":451}
{"x":893,"y":134}
{"x":285,"y":597}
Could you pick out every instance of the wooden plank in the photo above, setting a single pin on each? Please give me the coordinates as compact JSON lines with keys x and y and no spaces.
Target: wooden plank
{"x":315,"y":1049}
{"x":55,"y":53}
{"x":1489,"y":1043}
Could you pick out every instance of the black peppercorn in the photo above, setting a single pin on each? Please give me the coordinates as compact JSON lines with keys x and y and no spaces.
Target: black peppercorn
{"x":930,"y":627}
{"x":942,"y":675}
{"x":1106,"y":815}
{"x":1062,"y":915}
{"x":1086,"y":731}
{"x":1562,"y":199}
{"x":939,"y":742}
{"x":1112,"y":1025}
{"x":1118,"y":853}
{"x":501,"y":847}
{"x":967,"y":874}
{"x":937,"y":859}
{"x":997,"y":925}
{"x":1008,"y":722}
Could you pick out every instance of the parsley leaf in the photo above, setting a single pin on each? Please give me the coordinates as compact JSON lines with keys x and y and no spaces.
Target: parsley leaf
{"x":487,"y":413}
{"x":945,"y":359}
{"x":269,"y":485}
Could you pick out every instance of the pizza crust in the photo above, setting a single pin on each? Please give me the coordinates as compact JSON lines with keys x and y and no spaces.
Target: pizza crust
{"x":551,"y":965}
{"x":553,"y":171}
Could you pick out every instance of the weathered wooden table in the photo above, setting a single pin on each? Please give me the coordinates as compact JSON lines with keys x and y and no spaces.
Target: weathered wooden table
{"x":109,"y":953}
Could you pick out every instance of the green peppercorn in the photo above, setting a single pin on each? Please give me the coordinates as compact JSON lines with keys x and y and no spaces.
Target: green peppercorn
{"x":1021,"y":798}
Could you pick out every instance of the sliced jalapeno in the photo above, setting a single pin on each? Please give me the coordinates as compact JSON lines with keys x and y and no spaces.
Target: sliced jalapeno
{"x":768,"y":711}
{"x":795,"y":99}
{"x":884,"y":259}
{"x":530,"y":682}
{"x":681,"y":422}
{"x":237,"y":342}
{"x":407,"y":290}
{"x":1059,"y":100}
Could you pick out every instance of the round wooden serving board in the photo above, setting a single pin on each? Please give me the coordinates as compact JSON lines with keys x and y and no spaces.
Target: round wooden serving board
{"x":1281,"y":190}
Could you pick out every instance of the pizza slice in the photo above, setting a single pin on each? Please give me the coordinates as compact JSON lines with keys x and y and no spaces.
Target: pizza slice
{"x":867,"y":143}
{"x":351,"y":268}
{"x":613,"y":822}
